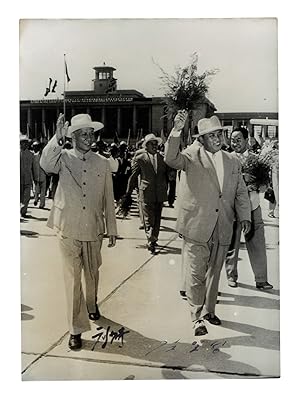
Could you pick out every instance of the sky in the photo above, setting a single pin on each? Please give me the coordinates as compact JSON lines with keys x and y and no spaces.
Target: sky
{"x":247,"y":58}
{"x":244,"y":50}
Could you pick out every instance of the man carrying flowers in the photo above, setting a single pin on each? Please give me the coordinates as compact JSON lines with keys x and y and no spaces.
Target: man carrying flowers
{"x":256,"y":174}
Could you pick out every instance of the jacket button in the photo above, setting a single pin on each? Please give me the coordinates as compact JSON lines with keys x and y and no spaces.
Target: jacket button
{"x":83,"y":159}
{"x":220,"y":196}
{"x":84,"y":195}
{"x":84,"y":183}
{"x":83,"y":208}
{"x":84,"y":170}
{"x":217,"y":210}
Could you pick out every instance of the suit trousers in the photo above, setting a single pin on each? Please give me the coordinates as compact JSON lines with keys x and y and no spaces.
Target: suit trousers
{"x":152,"y":218}
{"x":40,"y":192}
{"x":256,"y":247}
{"x":203,"y":264}
{"x":78,"y":256}
{"x":24,"y":197}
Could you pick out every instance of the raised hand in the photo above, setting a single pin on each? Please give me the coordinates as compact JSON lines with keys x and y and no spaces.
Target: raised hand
{"x":180,"y":120}
{"x":61,"y":127}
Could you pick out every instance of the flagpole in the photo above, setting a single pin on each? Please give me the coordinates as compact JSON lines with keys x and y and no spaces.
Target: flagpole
{"x":64,"y":87}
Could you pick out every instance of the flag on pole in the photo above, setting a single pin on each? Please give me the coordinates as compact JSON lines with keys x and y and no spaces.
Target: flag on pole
{"x":128,"y":137}
{"x":116,"y":138}
{"x":54,"y":86}
{"x":44,"y":131}
{"x":28,"y":130}
{"x":66,"y":70}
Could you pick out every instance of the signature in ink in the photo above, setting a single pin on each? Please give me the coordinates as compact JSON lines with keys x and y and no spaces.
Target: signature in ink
{"x":104,"y":335}
{"x":163,"y":343}
{"x":215,"y":346}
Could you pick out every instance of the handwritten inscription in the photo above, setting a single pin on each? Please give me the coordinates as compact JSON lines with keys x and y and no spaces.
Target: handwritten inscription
{"x":195,"y":346}
{"x":109,"y":335}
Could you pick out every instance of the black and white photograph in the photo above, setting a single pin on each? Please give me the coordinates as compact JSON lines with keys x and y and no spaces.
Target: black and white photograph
{"x":149,"y":199}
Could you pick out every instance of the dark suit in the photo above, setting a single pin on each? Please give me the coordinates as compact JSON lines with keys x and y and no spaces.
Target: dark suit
{"x":26,"y":174}
{"x":152,"y":190}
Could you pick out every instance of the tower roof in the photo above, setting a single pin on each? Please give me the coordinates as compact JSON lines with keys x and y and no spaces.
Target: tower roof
{"x":103,"y":68}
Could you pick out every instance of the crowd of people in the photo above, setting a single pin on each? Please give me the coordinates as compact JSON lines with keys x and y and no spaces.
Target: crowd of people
{"x":91,"y":181}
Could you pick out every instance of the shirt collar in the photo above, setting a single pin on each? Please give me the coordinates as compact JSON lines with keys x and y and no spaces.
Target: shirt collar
{"x":245,"y":154}
{"x":82,"y":156}
{"x":214,"y":155}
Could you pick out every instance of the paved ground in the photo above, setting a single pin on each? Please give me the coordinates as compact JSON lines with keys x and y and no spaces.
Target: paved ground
{"x":139,"y":295}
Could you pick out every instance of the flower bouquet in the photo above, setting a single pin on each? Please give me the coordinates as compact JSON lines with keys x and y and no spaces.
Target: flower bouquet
{"x":185,"y":89}
{"x":256,"y":172}
{"x":124,"y":205}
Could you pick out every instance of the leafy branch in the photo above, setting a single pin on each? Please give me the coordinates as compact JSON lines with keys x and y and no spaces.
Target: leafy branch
{"x":186,"y":89}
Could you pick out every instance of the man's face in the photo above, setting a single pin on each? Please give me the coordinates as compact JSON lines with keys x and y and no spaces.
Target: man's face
{"x":237,"y":142}
{"x":212,"y":141}
{"x":152,"y":147}
{"x":83,"y":139}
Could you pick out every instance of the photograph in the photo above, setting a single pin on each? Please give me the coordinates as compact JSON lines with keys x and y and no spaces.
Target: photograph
{"x":149,"y":199}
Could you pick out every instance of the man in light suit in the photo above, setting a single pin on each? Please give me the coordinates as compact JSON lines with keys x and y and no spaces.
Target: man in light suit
{"x":153,"y":185}
{"x":255,"y":240}
{"x":213,"y":194}
{"x":83,"y":204}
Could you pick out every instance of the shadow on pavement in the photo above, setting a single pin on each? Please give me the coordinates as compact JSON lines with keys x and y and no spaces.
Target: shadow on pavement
{"x":26,"y":316}
{"x":249,"y":301}
{"x":255,"y":336}
{"x":169,"y":250}
{"x":166,"y":229}
{"x":168,"y":218}
{"x":251,"y":287}
{"x":29,"y":233}
{"x":174,"y":354}
{"x":36,"y":218}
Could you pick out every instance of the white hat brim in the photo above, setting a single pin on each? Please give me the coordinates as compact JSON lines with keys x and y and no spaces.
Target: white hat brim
{"x":207,"y":131}
{"x":157,"y":139}
{"x":93,"y":124}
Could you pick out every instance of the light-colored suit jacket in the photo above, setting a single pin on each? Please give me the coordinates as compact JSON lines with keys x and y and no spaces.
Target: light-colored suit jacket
{"x":153,"y":185}
{"x":202,"y":203}
{"x":83,"y":201}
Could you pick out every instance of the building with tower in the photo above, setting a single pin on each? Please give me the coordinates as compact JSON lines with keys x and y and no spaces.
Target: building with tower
{"x":124,"y":113}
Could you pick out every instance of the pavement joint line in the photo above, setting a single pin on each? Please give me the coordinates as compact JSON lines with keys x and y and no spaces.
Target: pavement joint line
{"x":44,"y":354}
{"x":172,"y":238}
{"x":59,"y":341}
{"x":163,"y":366}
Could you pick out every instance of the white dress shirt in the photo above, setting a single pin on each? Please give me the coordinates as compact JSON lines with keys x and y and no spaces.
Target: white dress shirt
{"x":153,"y":159}
{"x":217,"y":160}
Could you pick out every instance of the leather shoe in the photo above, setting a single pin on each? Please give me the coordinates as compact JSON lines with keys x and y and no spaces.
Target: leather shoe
{"x":95,"y":316}
{"x":232,"y":283}
{"x":212,"y":318}
{"x":75,"y":342}
{"x":200,"y":328}
{"x":264,"y":285}
{"x":151,"y":248}
{"x":183,"y":294}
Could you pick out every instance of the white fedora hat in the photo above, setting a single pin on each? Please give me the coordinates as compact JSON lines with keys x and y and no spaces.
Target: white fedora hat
{"x":83,"y":121}
{"x":151,"y":137}
{"x":206,"y":126}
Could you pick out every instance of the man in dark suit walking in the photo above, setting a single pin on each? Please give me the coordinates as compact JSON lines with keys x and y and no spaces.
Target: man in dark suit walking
{"x":153,"y":185}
